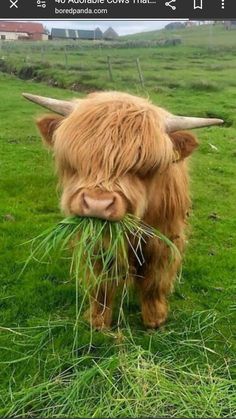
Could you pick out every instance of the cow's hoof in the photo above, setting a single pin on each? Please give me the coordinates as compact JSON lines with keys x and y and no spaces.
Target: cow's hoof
{"x":155,"y":324}
{"x":154,"y":313}
{"x":98,"y":321}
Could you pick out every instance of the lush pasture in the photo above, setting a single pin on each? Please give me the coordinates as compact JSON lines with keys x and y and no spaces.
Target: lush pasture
{"x":195,"y":36}
{"x":203,"y":63}
{"x":187,"y":369}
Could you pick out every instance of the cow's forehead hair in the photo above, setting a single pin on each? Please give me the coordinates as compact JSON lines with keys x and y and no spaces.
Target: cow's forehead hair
{"x":111,"y":133}
{"x":118,"y":98}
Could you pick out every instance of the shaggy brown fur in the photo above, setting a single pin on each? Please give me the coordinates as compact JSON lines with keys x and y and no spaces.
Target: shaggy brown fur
{"x":115,"y":144}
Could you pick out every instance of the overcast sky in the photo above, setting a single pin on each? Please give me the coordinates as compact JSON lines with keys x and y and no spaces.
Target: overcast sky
{"x":122,"y":27}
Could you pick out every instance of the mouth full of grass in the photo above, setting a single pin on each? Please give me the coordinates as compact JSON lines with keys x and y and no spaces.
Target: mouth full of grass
{"x":99,"y":249}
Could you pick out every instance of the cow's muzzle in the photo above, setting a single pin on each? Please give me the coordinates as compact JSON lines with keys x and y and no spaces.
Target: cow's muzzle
{"x":99,"y":204}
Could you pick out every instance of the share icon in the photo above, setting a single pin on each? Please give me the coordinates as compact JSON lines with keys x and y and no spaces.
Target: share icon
{"x":169,"y":4}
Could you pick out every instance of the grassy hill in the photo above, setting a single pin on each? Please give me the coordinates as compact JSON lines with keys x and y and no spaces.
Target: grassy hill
{"x":203,"y":35}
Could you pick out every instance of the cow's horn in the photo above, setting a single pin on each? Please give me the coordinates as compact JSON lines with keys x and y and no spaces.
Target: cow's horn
{"x":176,"y":123}
{"x":62,"y":107}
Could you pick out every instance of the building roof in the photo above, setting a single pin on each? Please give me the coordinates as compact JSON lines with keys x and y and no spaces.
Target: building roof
{"x":58,"y":33}
{"x":110,"y":33}
{"x":76,"y":33}
{"x":98,"y":33}
{"x":25,"y":27}
{"x":85,"y":34}
{"x":98,"y":30}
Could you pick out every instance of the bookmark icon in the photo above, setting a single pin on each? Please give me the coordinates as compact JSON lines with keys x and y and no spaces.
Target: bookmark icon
{"x":197,"y":4}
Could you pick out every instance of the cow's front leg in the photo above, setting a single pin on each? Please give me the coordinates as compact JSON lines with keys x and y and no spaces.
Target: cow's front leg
{"x":155,"y":282}
{"x":154,"y":306}
{"x":99,"y":315}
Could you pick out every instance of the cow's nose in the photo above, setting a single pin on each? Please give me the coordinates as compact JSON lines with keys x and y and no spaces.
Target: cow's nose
{"x":98,"y":207}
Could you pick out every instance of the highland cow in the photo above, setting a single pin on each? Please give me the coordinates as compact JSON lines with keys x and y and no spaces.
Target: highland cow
{"x":116,"y":154}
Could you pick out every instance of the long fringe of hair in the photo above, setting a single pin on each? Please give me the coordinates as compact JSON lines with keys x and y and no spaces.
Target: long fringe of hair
{"x":110,"y":135}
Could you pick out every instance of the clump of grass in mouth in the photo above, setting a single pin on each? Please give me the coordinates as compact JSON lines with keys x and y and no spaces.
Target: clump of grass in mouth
{"x":94,"y":241}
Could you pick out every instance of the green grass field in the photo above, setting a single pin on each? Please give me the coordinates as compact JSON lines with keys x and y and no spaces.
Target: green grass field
{"x":186,"y":369}
{"x":195,"y":36}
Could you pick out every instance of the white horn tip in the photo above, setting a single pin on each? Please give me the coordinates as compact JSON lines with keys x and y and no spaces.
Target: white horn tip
{"x":176,"y":123}
{"x":28,"y":96}
{"x":62,"y":107}
{"x":219,"y":121}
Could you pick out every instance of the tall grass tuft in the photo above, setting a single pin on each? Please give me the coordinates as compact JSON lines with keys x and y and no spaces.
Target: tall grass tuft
{"x":98,"y":248}
{"x":98,"y":251}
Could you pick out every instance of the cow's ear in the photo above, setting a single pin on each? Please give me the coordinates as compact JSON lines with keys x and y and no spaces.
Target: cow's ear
{"x":184,"y":143}
{"x":47,"y":126}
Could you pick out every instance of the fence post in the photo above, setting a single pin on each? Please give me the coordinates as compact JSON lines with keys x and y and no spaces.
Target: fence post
{"x":109,"y":68}
{"x":141,"y":79}
{"x":7,"y":50}
{"x":42,"y":55}
{"x":66,"y":58}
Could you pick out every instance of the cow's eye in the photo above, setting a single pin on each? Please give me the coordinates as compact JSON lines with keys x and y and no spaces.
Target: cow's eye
{"x":70,"y":170}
